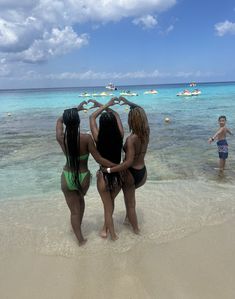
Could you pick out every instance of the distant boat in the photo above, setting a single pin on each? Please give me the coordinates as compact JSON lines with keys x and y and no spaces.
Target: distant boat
{"x":128,"y":94}
{"x":91,"y":95}
{"x":111,"y":86}
{"x":152,"y":91}
{"x":188,"y":93}
{"x":196,"y":92}
{"x":85,"y":95}
{"x":184,"y":93}
{"x":192,"y":84}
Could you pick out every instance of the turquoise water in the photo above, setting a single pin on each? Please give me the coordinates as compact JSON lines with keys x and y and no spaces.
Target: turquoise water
{"x":31,"y":160}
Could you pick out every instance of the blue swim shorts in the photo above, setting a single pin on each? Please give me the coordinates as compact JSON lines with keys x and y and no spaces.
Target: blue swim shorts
{"x":222,"y":149}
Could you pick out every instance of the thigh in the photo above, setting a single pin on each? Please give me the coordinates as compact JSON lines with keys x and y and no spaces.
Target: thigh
{"x":72,"y":198}
{"x":86,"y":183}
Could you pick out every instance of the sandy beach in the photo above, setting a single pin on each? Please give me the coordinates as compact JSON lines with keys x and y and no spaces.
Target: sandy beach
{"x":186,"y":249}
{"x":201,"y":266}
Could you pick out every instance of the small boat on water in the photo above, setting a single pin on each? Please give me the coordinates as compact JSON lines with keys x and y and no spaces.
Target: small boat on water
{"x":152,"y":91}
{"x":196,"y":92}
{"x":184,"y":93}
{"x":188,"y":93}
{"x":90,"y":95}
{"x":85,"y":95}
{"x":111,"y":86}
{"x":192,"y":84}
{"x":128,"y":94}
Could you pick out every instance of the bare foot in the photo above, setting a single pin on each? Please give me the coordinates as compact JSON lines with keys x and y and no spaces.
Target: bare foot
{"x":114,"y":238}
{"x":136,"y":231}
{"x":104,"y":233}
{"x":82,"y":242}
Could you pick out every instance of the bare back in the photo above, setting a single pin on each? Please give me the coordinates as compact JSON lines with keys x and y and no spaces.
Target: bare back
{"x":140,"y":150}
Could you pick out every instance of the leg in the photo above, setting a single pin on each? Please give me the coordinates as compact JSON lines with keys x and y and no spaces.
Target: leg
{"x":129,"y":197}
{"x":108,"y":208}
{"x":222,"y":164}
{"x":76,"y":204}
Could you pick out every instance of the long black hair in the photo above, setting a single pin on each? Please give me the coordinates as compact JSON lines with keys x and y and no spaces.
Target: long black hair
{"x":71,"y":120}
{"x":109,"y":144}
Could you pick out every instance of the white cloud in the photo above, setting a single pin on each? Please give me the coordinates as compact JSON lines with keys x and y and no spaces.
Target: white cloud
{"x":225,"y":27}
{"x":147,"y":21}
{"x":26,"y":24}
{"x":57,"y":42}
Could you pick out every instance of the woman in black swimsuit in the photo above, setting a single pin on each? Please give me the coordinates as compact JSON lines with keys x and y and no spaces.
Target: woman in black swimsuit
{"x":135,"y":148}
{"x":108,"y":137}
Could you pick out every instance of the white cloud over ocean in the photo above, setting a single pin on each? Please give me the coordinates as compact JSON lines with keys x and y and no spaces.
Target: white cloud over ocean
{"x":35,"y":31}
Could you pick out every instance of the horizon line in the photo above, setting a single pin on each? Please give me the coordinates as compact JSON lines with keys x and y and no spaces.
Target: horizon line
{"x":98,"y":86}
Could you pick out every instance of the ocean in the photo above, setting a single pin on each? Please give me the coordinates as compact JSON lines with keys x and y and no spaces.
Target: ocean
{"x":184,"y":190}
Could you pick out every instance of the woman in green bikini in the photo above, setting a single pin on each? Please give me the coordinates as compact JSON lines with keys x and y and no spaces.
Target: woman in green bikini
{"x":75,"y":178}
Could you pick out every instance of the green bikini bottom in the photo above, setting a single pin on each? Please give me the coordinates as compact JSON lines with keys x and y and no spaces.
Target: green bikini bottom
{"x":69,"y":179}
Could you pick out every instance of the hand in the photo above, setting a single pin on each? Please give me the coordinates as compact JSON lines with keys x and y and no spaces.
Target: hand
{"x":123,"y":100}
{"x":103,"y":169}
{"x":95,"y":104}
{"x":210,"y":140}
{"x":113,"y":101}
{"x":81,"y":107}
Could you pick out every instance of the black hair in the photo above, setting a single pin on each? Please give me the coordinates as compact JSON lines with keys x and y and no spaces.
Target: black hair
{"x":109,"y":144}
{"x":71,"y":120}
{"x":222,"y":116}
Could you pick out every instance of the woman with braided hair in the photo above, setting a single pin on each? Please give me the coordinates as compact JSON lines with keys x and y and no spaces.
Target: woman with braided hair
{"x":109,"y":140}
{"x":75,"y":178}
{"x":135,"y":148}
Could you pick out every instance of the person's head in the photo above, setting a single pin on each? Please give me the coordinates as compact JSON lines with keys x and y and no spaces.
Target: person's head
{"x":71,"y":121}
{"x":110,"y":139}
{"x":222,"y":120}
{"x":138,"y":122}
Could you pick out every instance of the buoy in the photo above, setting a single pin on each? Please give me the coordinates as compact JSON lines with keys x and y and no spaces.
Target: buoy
{"x":167,"y":120}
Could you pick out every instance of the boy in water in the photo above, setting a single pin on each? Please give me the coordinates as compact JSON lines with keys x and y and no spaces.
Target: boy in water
{"x":222,"y":144}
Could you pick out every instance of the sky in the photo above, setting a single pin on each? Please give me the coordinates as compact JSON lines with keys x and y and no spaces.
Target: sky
{"x":72,"y":43}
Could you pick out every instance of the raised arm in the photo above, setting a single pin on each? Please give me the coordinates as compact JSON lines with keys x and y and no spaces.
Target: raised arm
{"x":127,"y":102}
{"x":81,"y":107}
{"x":96,"y":155}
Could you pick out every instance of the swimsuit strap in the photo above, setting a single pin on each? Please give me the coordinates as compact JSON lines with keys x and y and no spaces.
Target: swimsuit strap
{"x":84,"y":157}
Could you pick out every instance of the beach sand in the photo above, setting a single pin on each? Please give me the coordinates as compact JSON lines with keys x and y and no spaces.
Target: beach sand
{"x":186,"y":249}
{"x":201,"y":265}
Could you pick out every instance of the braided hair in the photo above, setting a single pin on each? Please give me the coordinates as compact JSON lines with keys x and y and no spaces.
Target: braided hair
{"x":109,"y":145}
{"x":71,"y":120}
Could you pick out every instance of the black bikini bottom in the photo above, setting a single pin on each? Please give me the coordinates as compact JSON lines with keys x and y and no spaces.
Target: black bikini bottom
{"x":138,"y":174}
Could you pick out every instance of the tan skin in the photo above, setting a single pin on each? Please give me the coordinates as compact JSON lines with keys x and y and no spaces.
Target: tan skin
{"x":221,"y":135}
{"x":135,"y":154}
{"x":75,"y":199}
{"x":107,"y":197}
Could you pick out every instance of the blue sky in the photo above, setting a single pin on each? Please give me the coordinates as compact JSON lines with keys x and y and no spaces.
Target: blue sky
{"x":45,"y":43}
